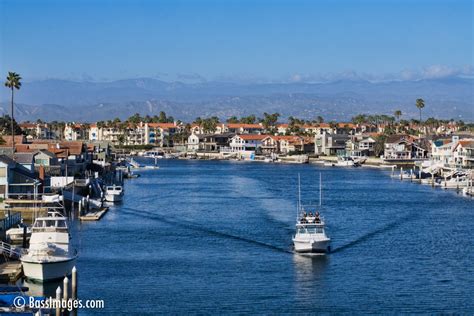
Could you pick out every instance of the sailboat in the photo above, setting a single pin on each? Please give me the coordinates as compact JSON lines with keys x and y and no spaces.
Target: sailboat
{"x":310,"y":236}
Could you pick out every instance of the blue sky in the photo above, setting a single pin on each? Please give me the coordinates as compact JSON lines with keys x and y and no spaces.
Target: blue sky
{"x":236,"y":40}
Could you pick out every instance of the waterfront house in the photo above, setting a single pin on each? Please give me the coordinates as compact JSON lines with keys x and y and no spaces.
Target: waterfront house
{"x":246,"y":142}
{"x":214,"y":142}
{"x":16,"y":182}
{"x":329,"y":144}
{"x":193,"y":142}
{"x":453,"y":152}
{"x":361,"y":145}
{"x":405,"y":147}
{"x":284,"y":144}
{"x":463,"y":154}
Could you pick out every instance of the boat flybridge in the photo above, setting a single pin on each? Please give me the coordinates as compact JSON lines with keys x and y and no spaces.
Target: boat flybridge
{"x":50,"y":255}
{"x":113,"y":193}
{"x":310,"y":236}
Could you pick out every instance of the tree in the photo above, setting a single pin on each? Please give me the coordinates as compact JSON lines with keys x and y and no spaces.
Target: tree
{"x":398,"y":114}
{"x":232,"y":120}
{"x":420,"y":104}
{"x":319,"y":119}
{"x":135,"y":118}
{"x":269,"y":120}
{"x":379,"y":145}
{"x":251,"y":119}
{"x":5,"y":125}
{"x":359,"y":119}
{"x":209,"y":125}
{"x":13,"y":82}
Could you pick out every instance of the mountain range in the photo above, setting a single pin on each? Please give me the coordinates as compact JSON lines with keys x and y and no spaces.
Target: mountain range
{"x":66,"y":100}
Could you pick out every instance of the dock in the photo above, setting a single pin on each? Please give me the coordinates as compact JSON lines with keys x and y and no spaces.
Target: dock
{"x":10,"y":271}
{"x":95,"y":215}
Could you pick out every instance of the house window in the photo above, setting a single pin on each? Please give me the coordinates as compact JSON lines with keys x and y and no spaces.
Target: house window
{"x":3,"y":172}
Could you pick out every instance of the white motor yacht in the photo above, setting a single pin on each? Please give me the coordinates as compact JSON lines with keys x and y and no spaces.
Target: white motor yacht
{"x":50,"y":255}
{"x":310,"y":234}
{"x":113,"y":193}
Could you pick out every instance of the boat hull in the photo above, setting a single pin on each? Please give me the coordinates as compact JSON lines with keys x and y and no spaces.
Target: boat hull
{"x":311,"y":246}
{"x":113,"y":197}
{"x":47,"y":271}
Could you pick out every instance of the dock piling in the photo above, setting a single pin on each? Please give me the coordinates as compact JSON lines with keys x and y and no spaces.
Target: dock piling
{"x":74,"y":283}
{"x":58,"y":299}
{"x":401,"y":173}
{"x":65,"y":289}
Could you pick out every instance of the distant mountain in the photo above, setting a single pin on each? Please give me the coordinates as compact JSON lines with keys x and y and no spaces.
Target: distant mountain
{"x":92,"y":101}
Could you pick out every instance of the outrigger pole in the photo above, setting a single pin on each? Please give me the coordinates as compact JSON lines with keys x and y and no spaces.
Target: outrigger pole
{"x":320,"y":191}
{"x":298,"y":207}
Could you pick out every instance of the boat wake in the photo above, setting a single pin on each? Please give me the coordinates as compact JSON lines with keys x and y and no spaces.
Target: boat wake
{"x":395,"y":224}
{"x":193,"y":226}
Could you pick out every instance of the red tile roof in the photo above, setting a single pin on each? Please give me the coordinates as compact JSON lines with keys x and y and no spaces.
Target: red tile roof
{"x":242,"y":125}
{"x":162,"y":125}
{"x":252,"y":136}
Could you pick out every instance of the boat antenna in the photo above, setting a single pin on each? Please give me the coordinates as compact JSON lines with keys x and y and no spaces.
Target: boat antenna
{"x":320,"y":191}
{"x":299,"y":197}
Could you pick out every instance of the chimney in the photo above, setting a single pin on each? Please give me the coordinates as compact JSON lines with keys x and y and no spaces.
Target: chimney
{"x":41,"y":173}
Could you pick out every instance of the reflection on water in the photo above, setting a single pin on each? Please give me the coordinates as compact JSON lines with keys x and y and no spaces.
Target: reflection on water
{"x":310,"y":270}
{"x":310,"y":267}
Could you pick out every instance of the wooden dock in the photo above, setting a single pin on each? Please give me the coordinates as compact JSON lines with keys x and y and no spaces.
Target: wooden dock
{"x":10,"y":271}
{"x":95,"y":215}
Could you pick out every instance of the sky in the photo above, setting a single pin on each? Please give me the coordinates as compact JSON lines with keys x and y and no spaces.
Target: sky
{"x":236,"y":40}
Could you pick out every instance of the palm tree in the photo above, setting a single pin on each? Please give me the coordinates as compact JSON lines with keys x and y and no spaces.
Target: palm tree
{"x":13,"y":82}
{"x":398,"y":114}
{"x":420,"y":103}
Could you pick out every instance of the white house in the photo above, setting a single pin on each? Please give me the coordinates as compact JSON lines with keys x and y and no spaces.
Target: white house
{"x":193,"y":142}
{"x":246,"y":142}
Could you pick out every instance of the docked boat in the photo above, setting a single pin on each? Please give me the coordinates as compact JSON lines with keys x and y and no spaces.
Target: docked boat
{"x":310,"y":236}
{"x":345,"y":161}
{"x":154,"y":154}
{"x":113,"y":193}
{"x":50,"y":255}
{"x":15,"y":235}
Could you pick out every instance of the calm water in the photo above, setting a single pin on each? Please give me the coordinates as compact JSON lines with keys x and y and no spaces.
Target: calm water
{"x":215,"y":237}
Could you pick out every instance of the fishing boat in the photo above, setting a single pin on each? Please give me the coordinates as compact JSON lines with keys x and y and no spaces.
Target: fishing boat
{"x":345,"y":161}
{"x":310,"y":236}
{"x":50,"y":255}
{"x":15,"y":235}
{"x":113,"y":193}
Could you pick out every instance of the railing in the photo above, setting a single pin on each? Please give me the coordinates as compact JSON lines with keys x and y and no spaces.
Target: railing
{"x":11,"y":220}
{"x":10,"y":251}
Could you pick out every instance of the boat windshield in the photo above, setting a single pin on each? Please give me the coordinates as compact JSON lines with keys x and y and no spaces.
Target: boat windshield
{"x":310,"y":230}
{"x":49,"y":224}
{"x":114,"y":188}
